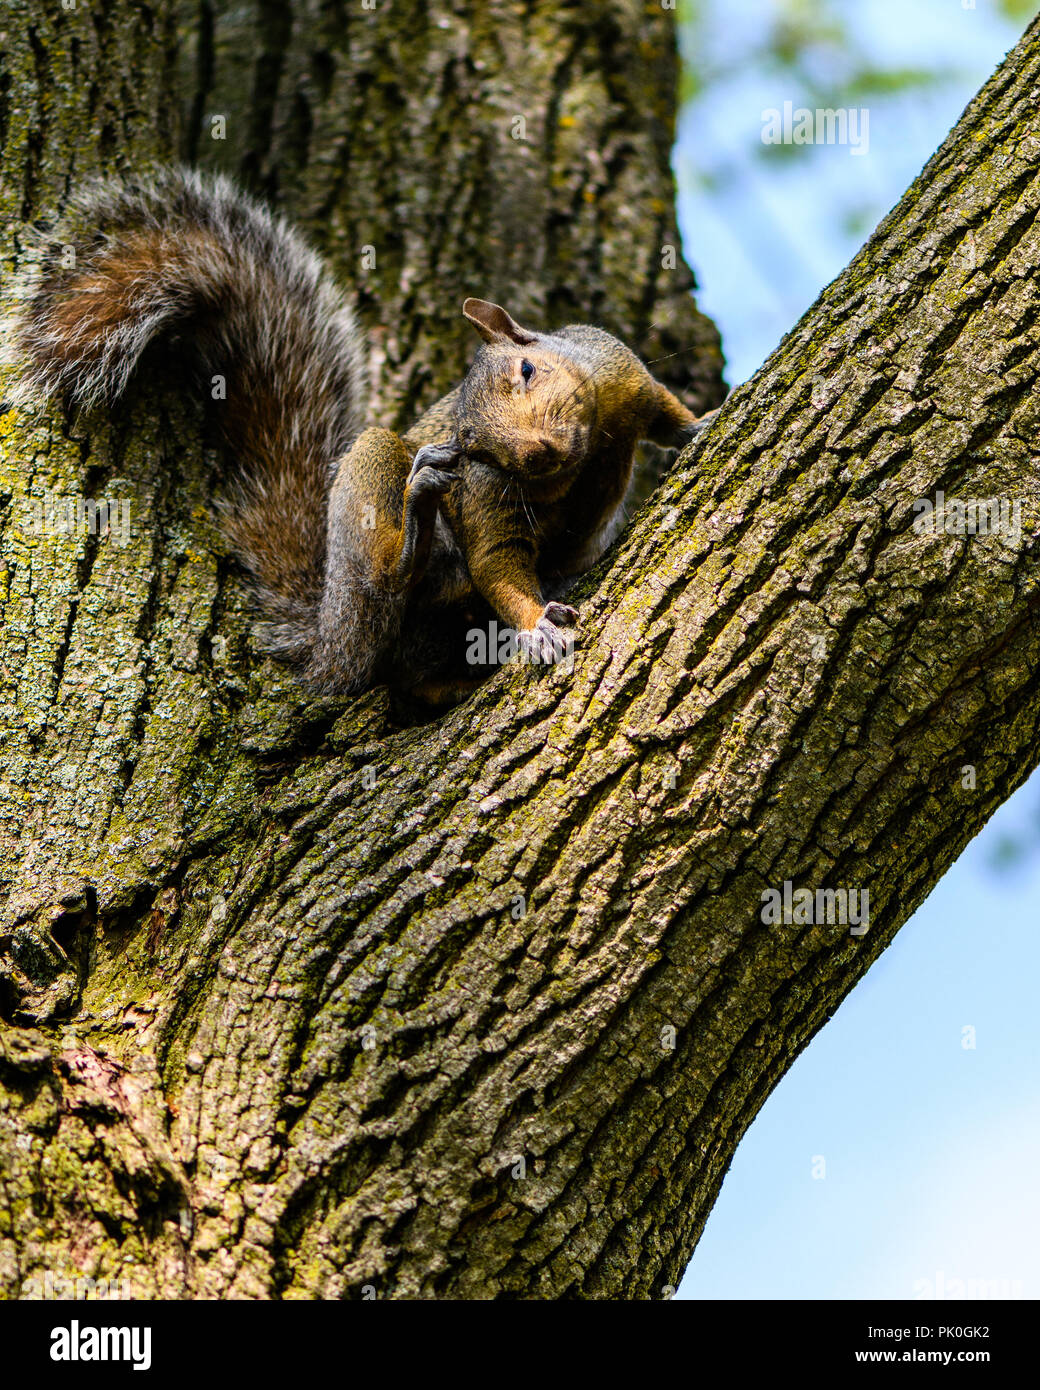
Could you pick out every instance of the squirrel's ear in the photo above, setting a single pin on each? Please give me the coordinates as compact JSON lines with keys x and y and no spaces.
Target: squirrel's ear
{"x":493,"y":323}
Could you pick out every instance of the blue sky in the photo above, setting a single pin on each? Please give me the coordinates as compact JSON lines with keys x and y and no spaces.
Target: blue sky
{"x":932,"y":1149}
{"x":766,"y":243}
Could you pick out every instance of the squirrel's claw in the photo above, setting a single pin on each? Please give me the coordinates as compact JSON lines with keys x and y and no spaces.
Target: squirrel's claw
{"x":430,"y":480}
{"x":562,"y":614}
{"x":440,"y":456}
{"x":545,"y":644}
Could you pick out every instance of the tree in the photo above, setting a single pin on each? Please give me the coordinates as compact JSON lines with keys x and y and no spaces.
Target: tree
{"x":304,"y":1000}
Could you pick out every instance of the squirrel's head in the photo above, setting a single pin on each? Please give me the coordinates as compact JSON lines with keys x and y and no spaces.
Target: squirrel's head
{"x":525,"y":406}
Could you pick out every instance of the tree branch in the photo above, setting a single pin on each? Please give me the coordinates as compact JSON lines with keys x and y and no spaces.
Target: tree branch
{"x":482,"y":1008}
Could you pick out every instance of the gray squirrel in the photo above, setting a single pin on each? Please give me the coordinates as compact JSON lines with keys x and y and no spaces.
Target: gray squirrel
{"x":369,"y":552}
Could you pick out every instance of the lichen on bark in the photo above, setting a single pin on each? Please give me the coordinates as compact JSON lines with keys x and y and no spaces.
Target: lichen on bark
{"x":300,"y":1002}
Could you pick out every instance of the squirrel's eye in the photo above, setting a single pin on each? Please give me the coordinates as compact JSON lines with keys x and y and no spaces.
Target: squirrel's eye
{"x":526,"y":369}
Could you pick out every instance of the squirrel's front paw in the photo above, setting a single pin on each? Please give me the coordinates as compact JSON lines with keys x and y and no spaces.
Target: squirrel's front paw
{"x":430,"y":482}
{"x":437,"y":461}
{"x":545,"y":644}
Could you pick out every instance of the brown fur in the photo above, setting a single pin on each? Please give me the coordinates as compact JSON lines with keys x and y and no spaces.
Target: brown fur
{"x":368,"y":552}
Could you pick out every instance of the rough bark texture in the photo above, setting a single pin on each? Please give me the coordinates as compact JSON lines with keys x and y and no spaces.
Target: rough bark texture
{"x":302,"y":1004}
{"x":517,"y":152}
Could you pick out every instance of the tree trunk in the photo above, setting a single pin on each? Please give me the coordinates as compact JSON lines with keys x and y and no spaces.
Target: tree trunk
{"x":302,"y":1003}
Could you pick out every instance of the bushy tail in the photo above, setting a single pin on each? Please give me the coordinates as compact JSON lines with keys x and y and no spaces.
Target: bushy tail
{"x":190,"y":255}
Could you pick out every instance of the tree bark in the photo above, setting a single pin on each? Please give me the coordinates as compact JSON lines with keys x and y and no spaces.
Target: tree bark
{"x":302,"y":1003}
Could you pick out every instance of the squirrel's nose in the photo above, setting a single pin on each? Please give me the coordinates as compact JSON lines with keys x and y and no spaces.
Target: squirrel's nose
{"x":540,"y":452}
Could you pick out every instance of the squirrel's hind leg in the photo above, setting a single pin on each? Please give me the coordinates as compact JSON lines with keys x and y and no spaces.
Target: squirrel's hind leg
{"x":381,"y":523}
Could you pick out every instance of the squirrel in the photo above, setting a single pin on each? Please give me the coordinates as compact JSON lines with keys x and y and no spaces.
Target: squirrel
{"x":368,"y":551}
